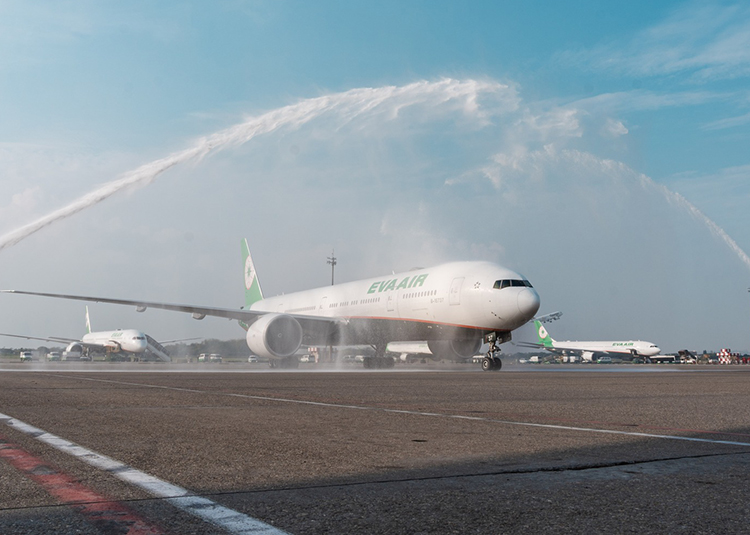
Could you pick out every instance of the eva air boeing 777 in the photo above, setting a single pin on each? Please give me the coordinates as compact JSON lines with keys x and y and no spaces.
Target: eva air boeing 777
{"x":587,"y":349}
{"x":455,"y":307}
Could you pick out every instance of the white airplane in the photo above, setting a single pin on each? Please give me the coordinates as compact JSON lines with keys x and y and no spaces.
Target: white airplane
{"x":587,"y":349}
{"x":455,"y":307}
{"x":126,"y":341}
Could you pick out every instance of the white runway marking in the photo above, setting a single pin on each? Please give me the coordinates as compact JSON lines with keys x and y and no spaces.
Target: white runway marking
{"x":430,"y":414}
{"x":207,"y":510}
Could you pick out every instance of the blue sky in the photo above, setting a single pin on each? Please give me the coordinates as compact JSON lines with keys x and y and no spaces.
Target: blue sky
{"x":540,"y":135}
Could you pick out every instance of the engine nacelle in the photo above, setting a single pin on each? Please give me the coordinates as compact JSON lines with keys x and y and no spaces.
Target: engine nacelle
{"x":74,"y":347}
{"x":454,"y":349}
{"x":274,"y":336}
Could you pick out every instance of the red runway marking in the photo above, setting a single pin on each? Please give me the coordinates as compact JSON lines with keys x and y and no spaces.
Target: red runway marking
{"x":101,"y":512}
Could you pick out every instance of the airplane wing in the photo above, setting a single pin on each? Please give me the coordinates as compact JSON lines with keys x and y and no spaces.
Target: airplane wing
{"x":55,"y":339}
{"x":162,"y":342}
{"x":538,"y":346}
{"x":317,"y":329}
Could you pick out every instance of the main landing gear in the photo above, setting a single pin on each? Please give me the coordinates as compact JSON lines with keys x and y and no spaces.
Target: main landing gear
{"x":491,"y":362}
{"x":380,"y":360}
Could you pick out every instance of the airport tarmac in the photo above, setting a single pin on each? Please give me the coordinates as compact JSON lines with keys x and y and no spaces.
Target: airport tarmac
{"x":146,"y":449}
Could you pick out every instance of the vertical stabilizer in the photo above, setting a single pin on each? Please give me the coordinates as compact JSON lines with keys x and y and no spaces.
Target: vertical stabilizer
{"x":88,"y":321}
{"x":253,"y":293}
{"x":544,"y":339}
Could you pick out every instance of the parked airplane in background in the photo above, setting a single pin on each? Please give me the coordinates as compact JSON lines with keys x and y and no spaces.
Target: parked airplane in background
{"x":126,"y":341}
{"x":455,"y":307}
{"x":587,"y":349}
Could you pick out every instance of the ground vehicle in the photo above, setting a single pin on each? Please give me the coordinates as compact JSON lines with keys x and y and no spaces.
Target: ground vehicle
{"x":26,"y":356}
{"x":604,"y":360}
{"x":53,"y":355}
{"x":306,"y":358}
{"x":252,"y":358}
{"x":215,"y":357}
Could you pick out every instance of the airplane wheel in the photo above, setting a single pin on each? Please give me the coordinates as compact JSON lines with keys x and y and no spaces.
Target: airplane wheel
{"x":487,"y":364}
{"x":498,"y":364}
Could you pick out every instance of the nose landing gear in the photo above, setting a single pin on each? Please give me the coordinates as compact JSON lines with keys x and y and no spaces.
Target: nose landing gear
{"x":492,"y":361}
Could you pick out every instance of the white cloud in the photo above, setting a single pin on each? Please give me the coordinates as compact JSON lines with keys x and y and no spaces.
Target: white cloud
{"x":729,"y":122}
{"x":27,"y":199}
{"x":614,"y":128}
{"x":642,"y":100}
{"x":555,"y":123}
{"x":701,"y":41}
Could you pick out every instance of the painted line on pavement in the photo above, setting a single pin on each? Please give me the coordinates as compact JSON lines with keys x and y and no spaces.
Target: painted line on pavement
{"x":430,"y":414}
{"x":205,"y":509}
{"x":100,"y":511}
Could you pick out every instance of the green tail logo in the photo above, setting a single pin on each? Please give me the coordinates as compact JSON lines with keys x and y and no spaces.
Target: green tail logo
{"x":253,"y":293}
{"x":544,"y":338}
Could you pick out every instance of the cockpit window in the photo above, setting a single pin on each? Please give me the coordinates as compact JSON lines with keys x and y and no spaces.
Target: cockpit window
{"x":505,"y":283}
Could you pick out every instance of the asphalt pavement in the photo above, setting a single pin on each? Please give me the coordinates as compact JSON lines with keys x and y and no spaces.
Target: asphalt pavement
{"x":420,"y":449}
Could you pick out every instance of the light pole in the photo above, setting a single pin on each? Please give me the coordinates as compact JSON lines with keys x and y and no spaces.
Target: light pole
{"x":332,"y":262}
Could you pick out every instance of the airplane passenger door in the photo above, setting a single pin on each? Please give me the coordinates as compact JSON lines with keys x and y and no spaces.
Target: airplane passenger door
{"x":455,"y":293}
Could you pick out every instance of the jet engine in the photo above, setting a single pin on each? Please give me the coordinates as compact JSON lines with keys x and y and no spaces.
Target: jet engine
{"x":274,"y":336}
{"x":457,"y":350}
{"x":73,"y":351}
{"x":74,"y":347}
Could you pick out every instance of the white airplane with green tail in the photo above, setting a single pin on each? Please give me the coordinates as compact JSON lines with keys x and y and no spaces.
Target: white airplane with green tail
{"x":454,"y":307}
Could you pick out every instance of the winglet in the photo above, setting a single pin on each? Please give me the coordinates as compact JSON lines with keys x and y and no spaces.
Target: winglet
{"x":253,"y":293}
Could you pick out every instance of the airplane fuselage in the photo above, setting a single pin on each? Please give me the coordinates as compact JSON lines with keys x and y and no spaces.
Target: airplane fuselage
{"x":627,"y":347}
{"x":457,"y":300}
{"x":128,"y":340}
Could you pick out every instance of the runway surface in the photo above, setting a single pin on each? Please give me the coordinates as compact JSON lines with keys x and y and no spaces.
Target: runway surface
{"x":237,"y":449}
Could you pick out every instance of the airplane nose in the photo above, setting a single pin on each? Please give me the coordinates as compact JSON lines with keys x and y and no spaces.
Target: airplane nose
{"x":528,"y":303}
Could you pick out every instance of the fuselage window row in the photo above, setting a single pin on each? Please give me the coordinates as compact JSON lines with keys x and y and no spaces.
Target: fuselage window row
{"x":419,"y":294}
